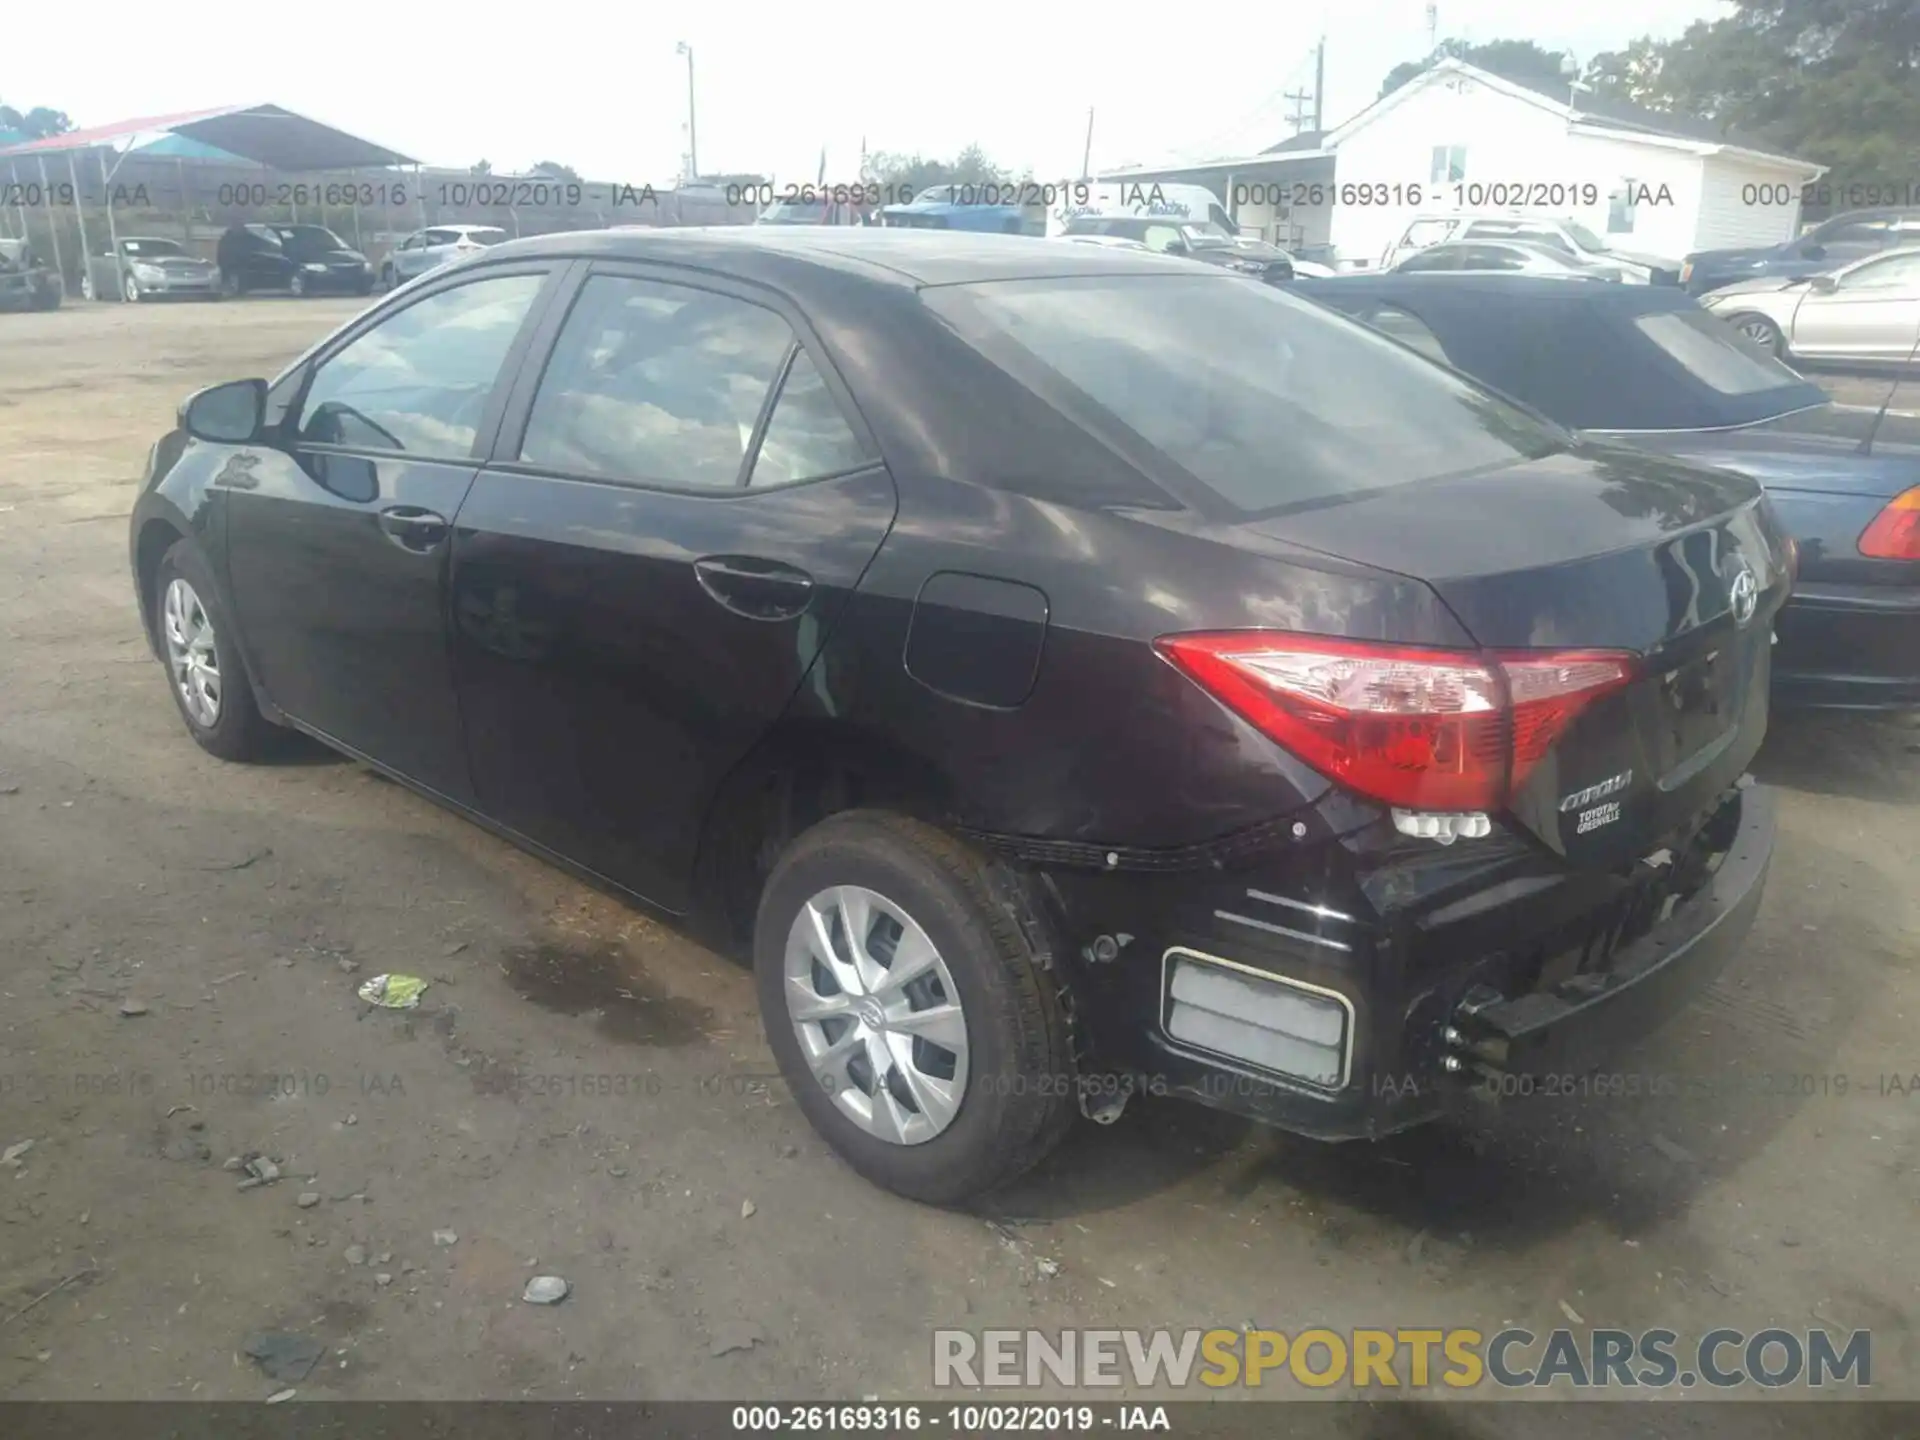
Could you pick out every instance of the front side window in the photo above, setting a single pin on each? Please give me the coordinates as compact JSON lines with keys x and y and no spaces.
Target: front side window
{"x":1449,"y":164}
{"x":1714,"y":353}
{"x":1864,"y":231}
{"x":1896,"y":272}
{"x":418,"y":382}
{"x":655,"y":383}
{"x":1161,"y":237}
{"x":1432,"y":259}
{"x":1266,"y":399}
{"x":807,"y":436}
{"x":1422,"y":233}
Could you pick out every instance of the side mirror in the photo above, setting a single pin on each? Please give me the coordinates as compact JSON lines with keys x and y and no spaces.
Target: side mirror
{"x":1813,"y":250}
{"x":230,"y":414}
{"x":1280,"y":271}
{"x":1823,"y":284}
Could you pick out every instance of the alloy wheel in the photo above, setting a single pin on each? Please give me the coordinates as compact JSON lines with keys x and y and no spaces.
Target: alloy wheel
{"x":192,"y":656}
{"x":877,"y":1014}
{"x":86,"y":287}
{"x":1761,"y":332}
{"x":131,"y":289}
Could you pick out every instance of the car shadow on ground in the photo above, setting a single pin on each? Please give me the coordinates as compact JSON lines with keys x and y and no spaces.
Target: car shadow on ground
{"x":1834,"y":753}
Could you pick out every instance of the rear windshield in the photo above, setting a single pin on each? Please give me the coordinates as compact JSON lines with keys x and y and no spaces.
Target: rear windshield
{"x":1267,"y":400}
{"x":486,"y":237}
{"x":1716,"y":354}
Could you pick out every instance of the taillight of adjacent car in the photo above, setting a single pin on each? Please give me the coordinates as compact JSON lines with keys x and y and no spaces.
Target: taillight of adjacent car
{"x":1894,"y":533}
{"x":1416,"y":729}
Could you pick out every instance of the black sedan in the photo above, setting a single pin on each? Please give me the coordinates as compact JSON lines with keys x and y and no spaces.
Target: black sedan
{"x":1648,"y":367}
{"x":1069,"y":673}
{"x":301,"y":259}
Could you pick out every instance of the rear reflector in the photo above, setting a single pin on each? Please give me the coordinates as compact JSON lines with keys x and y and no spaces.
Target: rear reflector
{"x":1895,"y":531}
{"x":1422,"y":729}
{"x":1262,"y":1021}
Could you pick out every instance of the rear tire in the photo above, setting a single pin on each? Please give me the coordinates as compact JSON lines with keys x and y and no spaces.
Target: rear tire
{"x":1762,"y":331}
{"x":130,"y":290}
{"x":184,"y":596}
{"x":928,"y":1140}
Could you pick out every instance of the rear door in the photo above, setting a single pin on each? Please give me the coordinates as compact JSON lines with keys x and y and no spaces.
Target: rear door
{"x":337,"y":534}
{"x":681,"y":499}
{"x":1872,"y":313}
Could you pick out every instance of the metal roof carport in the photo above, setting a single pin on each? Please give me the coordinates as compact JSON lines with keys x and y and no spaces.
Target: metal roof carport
{"x":268,"y":135}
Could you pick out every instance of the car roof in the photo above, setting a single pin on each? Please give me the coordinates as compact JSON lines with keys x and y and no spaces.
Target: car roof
{"x":775,"y":254}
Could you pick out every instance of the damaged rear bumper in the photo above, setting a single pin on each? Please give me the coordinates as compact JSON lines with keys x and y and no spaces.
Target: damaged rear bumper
{"x":1386,"y":1020}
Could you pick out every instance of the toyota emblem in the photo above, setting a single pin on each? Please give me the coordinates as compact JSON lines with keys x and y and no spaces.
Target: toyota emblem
{"x":1743,"y":595}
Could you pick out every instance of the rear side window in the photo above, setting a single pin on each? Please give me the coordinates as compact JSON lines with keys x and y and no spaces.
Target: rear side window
{"x":1267,"y":400}
{"x":1714,"y":353}
{"x":1447,"y":259}
{"x":807,"y":436}
{"x":656,"y":384}
{"x":1408,"y":330}
{"x":419,"y":381}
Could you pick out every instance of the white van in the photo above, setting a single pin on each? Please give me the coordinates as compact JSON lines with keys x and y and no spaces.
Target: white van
{"x":1192,"y":204}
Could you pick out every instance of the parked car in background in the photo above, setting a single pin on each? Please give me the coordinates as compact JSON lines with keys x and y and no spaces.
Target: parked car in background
{"x":1503,"y":257}
{"x":26,"y":284}
{"x":147,"y":267}
{"x":1855,"y":235}
{"x":1191,"y":239}
{"x":301,"y":259}
{"x":1649,"y":368}
{"x":1866,"y":313}
{"x":1102,"y":674}
{"x":435,"y":246}
{"x":1111,"y":242}
{"x":1567,"y":238}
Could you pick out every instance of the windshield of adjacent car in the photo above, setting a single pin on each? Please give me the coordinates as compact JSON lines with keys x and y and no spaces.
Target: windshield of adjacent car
{"x":146,"y":249}
{"x":309,"y":239}
{"x":1207,"y":236}
{"x":1268,"y":400}
{"x":1584,"y":238}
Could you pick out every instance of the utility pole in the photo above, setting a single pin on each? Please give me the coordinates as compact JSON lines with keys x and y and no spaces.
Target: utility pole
{"x":1086,"y":155}
{"x":1433,"y":27}
{"x":693,"y":149}
{"x":1320,"y":84}
{"x":1298,"y":119}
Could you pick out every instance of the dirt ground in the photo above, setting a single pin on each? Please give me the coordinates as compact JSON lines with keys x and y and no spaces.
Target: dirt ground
{"x":584,"y":1093}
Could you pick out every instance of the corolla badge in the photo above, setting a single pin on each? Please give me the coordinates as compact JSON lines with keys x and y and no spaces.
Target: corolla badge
{"x":1612,"y":785}
{"x":1743,"y":594}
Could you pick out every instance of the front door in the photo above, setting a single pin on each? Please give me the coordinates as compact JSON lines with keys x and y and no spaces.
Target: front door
{"x":337,"y":535}
{"x":1872,"y":313}
{"x":642,"y":579}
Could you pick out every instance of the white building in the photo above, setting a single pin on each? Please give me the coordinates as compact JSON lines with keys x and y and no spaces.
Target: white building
{"x":1458,"y":138}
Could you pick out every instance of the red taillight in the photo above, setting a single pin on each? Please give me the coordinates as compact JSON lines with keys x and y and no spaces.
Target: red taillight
{"x":1895,"y":531}
{"x":1420,"y":729}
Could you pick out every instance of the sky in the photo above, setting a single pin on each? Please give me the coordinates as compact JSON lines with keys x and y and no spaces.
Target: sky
{"x":602,"y":88}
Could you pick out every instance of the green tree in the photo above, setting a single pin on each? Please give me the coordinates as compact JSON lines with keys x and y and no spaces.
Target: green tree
{"x":970,"y":167}
{"x":1833,"y":81}
{"x":481,"y":167}
{"x":554,"y":170}
{"x":1518,"y":60}
{"x":37,"y":123}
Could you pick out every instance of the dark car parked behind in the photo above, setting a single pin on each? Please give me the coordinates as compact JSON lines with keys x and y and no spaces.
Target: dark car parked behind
{"x":1195,"y":240}
{"x":1069,"y":671}
{"x":26,"y":284}
{"x":1856,"y":235}
{"x":1646,"y":366}
{"x":302,"y":259}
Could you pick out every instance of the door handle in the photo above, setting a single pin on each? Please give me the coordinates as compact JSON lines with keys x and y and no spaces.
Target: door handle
{"x":758,"y":589}
{"x":412,"y":528}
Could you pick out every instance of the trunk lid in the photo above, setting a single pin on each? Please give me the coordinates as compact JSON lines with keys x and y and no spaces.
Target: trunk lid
{"x":1598,"y":549}
{"x":1815,"y":450}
